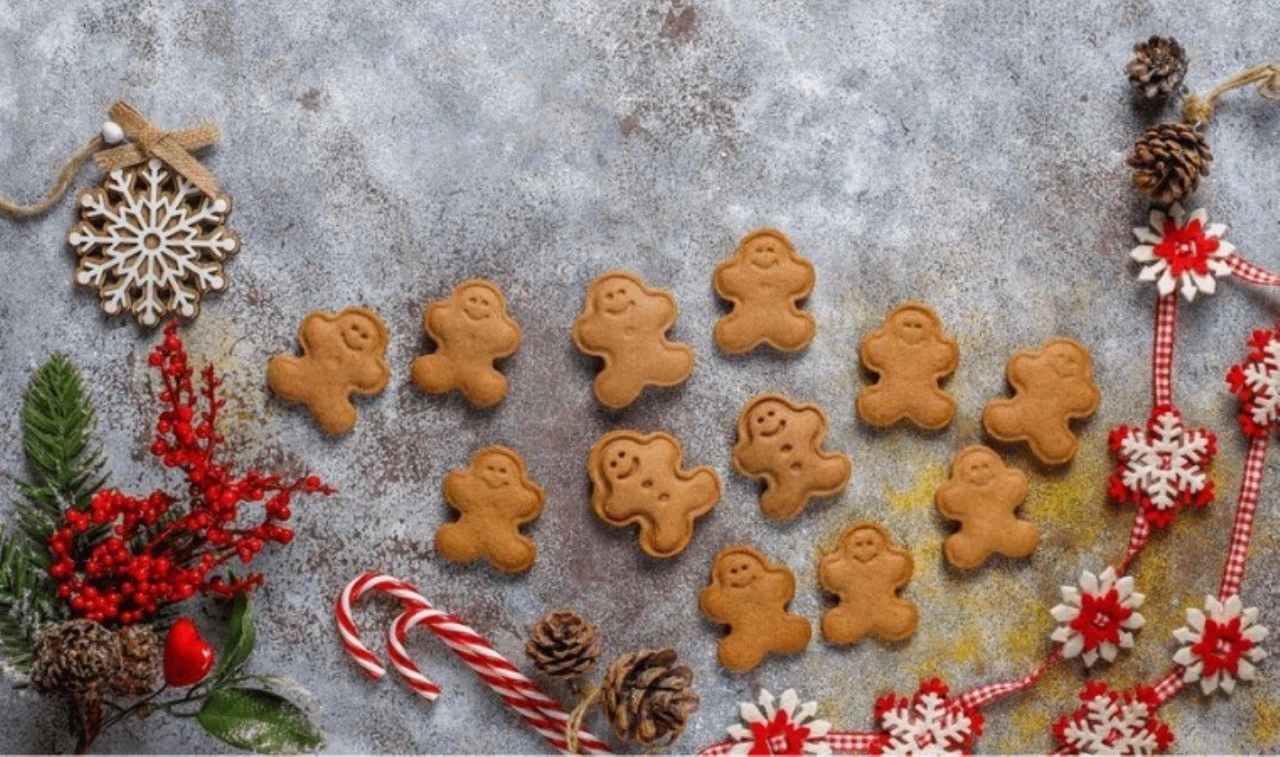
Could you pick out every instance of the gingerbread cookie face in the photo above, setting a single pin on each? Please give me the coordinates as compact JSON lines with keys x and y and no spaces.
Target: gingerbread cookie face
{"x":624,"y":322}
{"x":1051,"y":387}
{"x":865,"y":572}
{"x":493,"y":496}
{"x":780,"y":442}
{"x":749,"y":594}
{"x":342,"y":354}
{"x":910,"y":354}
{"x":983,"y":494}
{"x":638,"y":478}
{"x":471,"y":330}
{"x":765,"y":281}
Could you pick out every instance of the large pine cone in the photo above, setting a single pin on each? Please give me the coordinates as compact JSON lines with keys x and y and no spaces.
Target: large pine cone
{"x":140,"y":662}
{"x":645,"y":696}
{"x":74,"y":657}
{"x":1168,"y":161}
{"x":1158,"y":67}
{"x":563,"y":645}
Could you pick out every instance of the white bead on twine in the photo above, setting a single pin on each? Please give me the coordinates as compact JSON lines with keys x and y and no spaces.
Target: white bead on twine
{"x":112,"y":134}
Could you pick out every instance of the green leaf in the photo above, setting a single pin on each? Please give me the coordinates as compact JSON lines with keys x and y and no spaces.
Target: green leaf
{"x":241,"y":636}
{"x":258,"y":720}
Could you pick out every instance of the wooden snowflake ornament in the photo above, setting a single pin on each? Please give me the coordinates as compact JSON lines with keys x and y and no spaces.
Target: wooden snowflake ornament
{"x":152,"y":240}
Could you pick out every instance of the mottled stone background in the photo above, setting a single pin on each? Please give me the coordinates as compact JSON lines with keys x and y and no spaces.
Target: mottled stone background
{"x":969,"y":154}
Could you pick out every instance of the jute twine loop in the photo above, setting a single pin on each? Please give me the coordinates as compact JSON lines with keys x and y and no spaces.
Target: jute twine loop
{"x":1198,"y":110}
{"x":574,"y":724}
{"x":149,"y":141}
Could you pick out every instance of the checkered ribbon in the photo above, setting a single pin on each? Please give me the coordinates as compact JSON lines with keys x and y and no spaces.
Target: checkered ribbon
{"x":520,"y":694}
{"x":1138,"y":536}
{"x":1246,"y":507}
{"x":984,"y":695}
{"x":1166,"y":687}
{"x":840,"y":742}
{"x":1162,"y":355}
{"x":1251,"y":273}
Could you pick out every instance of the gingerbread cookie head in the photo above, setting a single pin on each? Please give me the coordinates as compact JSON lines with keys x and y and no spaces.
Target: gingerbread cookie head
{"x":749,"y":593}
{"x":638,"y":478}
{"x":342,"y":354}
{"x":865,"y":572}
{"x":982,"y":494}
{"x":493,"y":496}
{"x":624,"y":323}
{"x":472,"y":329}
{"x":764,"y":280}
{"x":781,"y":442}
{"x":910,"y":354}
{"x":1052,"y":386}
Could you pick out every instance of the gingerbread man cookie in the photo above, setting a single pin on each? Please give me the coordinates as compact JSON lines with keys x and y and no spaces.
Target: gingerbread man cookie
{"x":471,"y":330}
{"x":494,"y":496}
{"x":865,"y":572}
{"x":765,"y":281}
{"x":750,"y":594}
{"x":780,"y":442}
{"x":982,"y":494}
{"x":342,"y":354}
{"x":911,"y":355}
{"x":1051,"y":386}
{"x":637,"y":478}
{"x":624,"y":322}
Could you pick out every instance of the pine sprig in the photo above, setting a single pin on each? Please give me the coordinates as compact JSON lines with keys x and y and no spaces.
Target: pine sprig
{"x":58,"y":420}
{"x":28,"y":601}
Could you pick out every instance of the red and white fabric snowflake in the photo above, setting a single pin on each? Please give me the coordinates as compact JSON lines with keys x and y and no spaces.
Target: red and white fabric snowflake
{"x":779,"y":726}
{"x":1186,"y":253}
{"x":1098,"y":617}
{"x":1220,"y":644}
{"x":1256,"y":382}
{"x":1114,"y":722}
{"x":1163,"y":467}
{"x":926,"y":723}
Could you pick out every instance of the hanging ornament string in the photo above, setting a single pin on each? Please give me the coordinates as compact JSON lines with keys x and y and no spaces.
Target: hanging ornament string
{"x":70,"y":170}
{"x":522,"y":695}
{"x":1199,"y":110}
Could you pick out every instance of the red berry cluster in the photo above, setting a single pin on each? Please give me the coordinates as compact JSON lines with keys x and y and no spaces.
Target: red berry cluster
{"x":125,"y":557}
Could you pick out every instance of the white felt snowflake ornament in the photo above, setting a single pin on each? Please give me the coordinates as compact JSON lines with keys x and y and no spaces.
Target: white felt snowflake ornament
{"x":927,"y":723}
{"x":1181,"y":252}
{"x":1163,"y":466}
{"x":1256,"y":382}
{"x":1112,"y":722}
{"x":1220,"y":644}
{"x":1097,"y":618}
{"x":779,"y":725}
{"x":151,"y":242}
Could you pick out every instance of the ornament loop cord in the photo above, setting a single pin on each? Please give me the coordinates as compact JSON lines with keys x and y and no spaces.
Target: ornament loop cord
{"x":1199,"y":110}
{"x":70,"y":169}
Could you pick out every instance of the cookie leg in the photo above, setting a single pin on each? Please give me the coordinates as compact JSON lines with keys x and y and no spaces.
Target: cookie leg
{"x":795,"y":634}
{"x":934,"y":409}
{"x":792,"y":332}
{"x":617,"y":388}
{"x":964,"y":551}
{"x":336,"y":415}
{"x":457,"y":544}
{"x":672,"y":365}
{"x":878,"y":407}
{"x":782,"y":501}
{"x":843,"y":625}
{"x":1054,"y":443}
{"x":831,"y":473}
{"x":1003,"y":420}
{"x":1020,"y":540}
{"x":739,"y":653}
{"x":286,"y":379}
{"x":732,"y":335}
{"x":512,"y":553}
{"x":434,"y":374}
{"x":897,"y":621}
{"x":484,"y":389}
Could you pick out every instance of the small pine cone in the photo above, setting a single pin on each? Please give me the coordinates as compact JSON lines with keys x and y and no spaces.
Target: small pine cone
{"x":1157,"y":68}
{"x":1168,"y":161}
{"x":645,"y":696}
{"x":563,"y":645}
{"x":74,"y":657}
{"x":140,"y":662}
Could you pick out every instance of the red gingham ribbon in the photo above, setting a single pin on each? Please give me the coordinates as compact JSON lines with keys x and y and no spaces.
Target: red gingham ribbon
{"x":1162,"y":355}
{"x":841,"y":742}
{"x":1138,"y":536}
{"x":1251,"y":273}
{"x":984,"y":695}
{"x":1166,"y":687}
{"x":521,"y":695}
{"x":1246,"y":506}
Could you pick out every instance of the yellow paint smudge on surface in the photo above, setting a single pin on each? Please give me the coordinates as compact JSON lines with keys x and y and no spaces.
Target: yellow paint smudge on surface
{"x":920,"y":495}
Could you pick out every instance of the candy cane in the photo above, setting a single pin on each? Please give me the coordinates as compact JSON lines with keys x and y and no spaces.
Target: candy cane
{"x":521,"y":694}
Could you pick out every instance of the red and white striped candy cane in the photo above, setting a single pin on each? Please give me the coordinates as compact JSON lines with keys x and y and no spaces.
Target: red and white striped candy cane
{"x":521,"y":694}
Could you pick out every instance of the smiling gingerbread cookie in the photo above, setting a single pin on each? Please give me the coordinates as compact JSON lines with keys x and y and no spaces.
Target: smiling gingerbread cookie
{"x":1052,"y":386}
{"x":471,"y":329}
{"x":638,"y":478}
{"x":983,"y":494}
{"x":493,"y":496}
{"x":910,"y":354}
{"x":866,"y":572}
{"x":750,"y":594}
{"x":765,"y":281}
{"x":342,"y":354}
{"x":781,"y":442}
{"x":624,"y":322}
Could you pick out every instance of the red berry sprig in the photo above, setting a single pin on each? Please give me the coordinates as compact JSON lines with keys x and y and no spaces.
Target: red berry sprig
{"x":161,"y":549}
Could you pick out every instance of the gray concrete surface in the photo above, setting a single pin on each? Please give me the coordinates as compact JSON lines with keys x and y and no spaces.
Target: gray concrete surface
{"x":968,"y":154}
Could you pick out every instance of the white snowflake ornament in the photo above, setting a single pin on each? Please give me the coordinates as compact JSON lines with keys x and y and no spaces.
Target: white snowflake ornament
{"x":1097,"y":618}
{"x":1220,"y":644}
{"x":1256,"y":382}
{"x":927,"y":723}
{"x":152,"y":243}
{"x":1164,"y":466}
{"x":1181,"y":252}
{"x":1113,"y":722}
{"x":779,"y":725}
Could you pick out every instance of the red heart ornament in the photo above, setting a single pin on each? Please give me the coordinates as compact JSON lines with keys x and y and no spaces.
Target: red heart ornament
{"x":188,"y":658}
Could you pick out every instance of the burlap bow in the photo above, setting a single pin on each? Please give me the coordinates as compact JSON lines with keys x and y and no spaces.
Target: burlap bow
{"x":150,"y":141}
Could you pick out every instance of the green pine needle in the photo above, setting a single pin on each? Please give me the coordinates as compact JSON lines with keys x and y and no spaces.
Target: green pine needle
{"x":28,"y":601}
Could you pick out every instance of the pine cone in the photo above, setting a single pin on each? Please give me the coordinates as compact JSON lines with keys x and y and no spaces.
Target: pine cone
{"x":563,"y":645}
{"x":1157,"y":68}
{"x":645,"y":696}
{"x":74,"y":657}
{"x":140,"y":662}
{"x":1168,"y":161}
